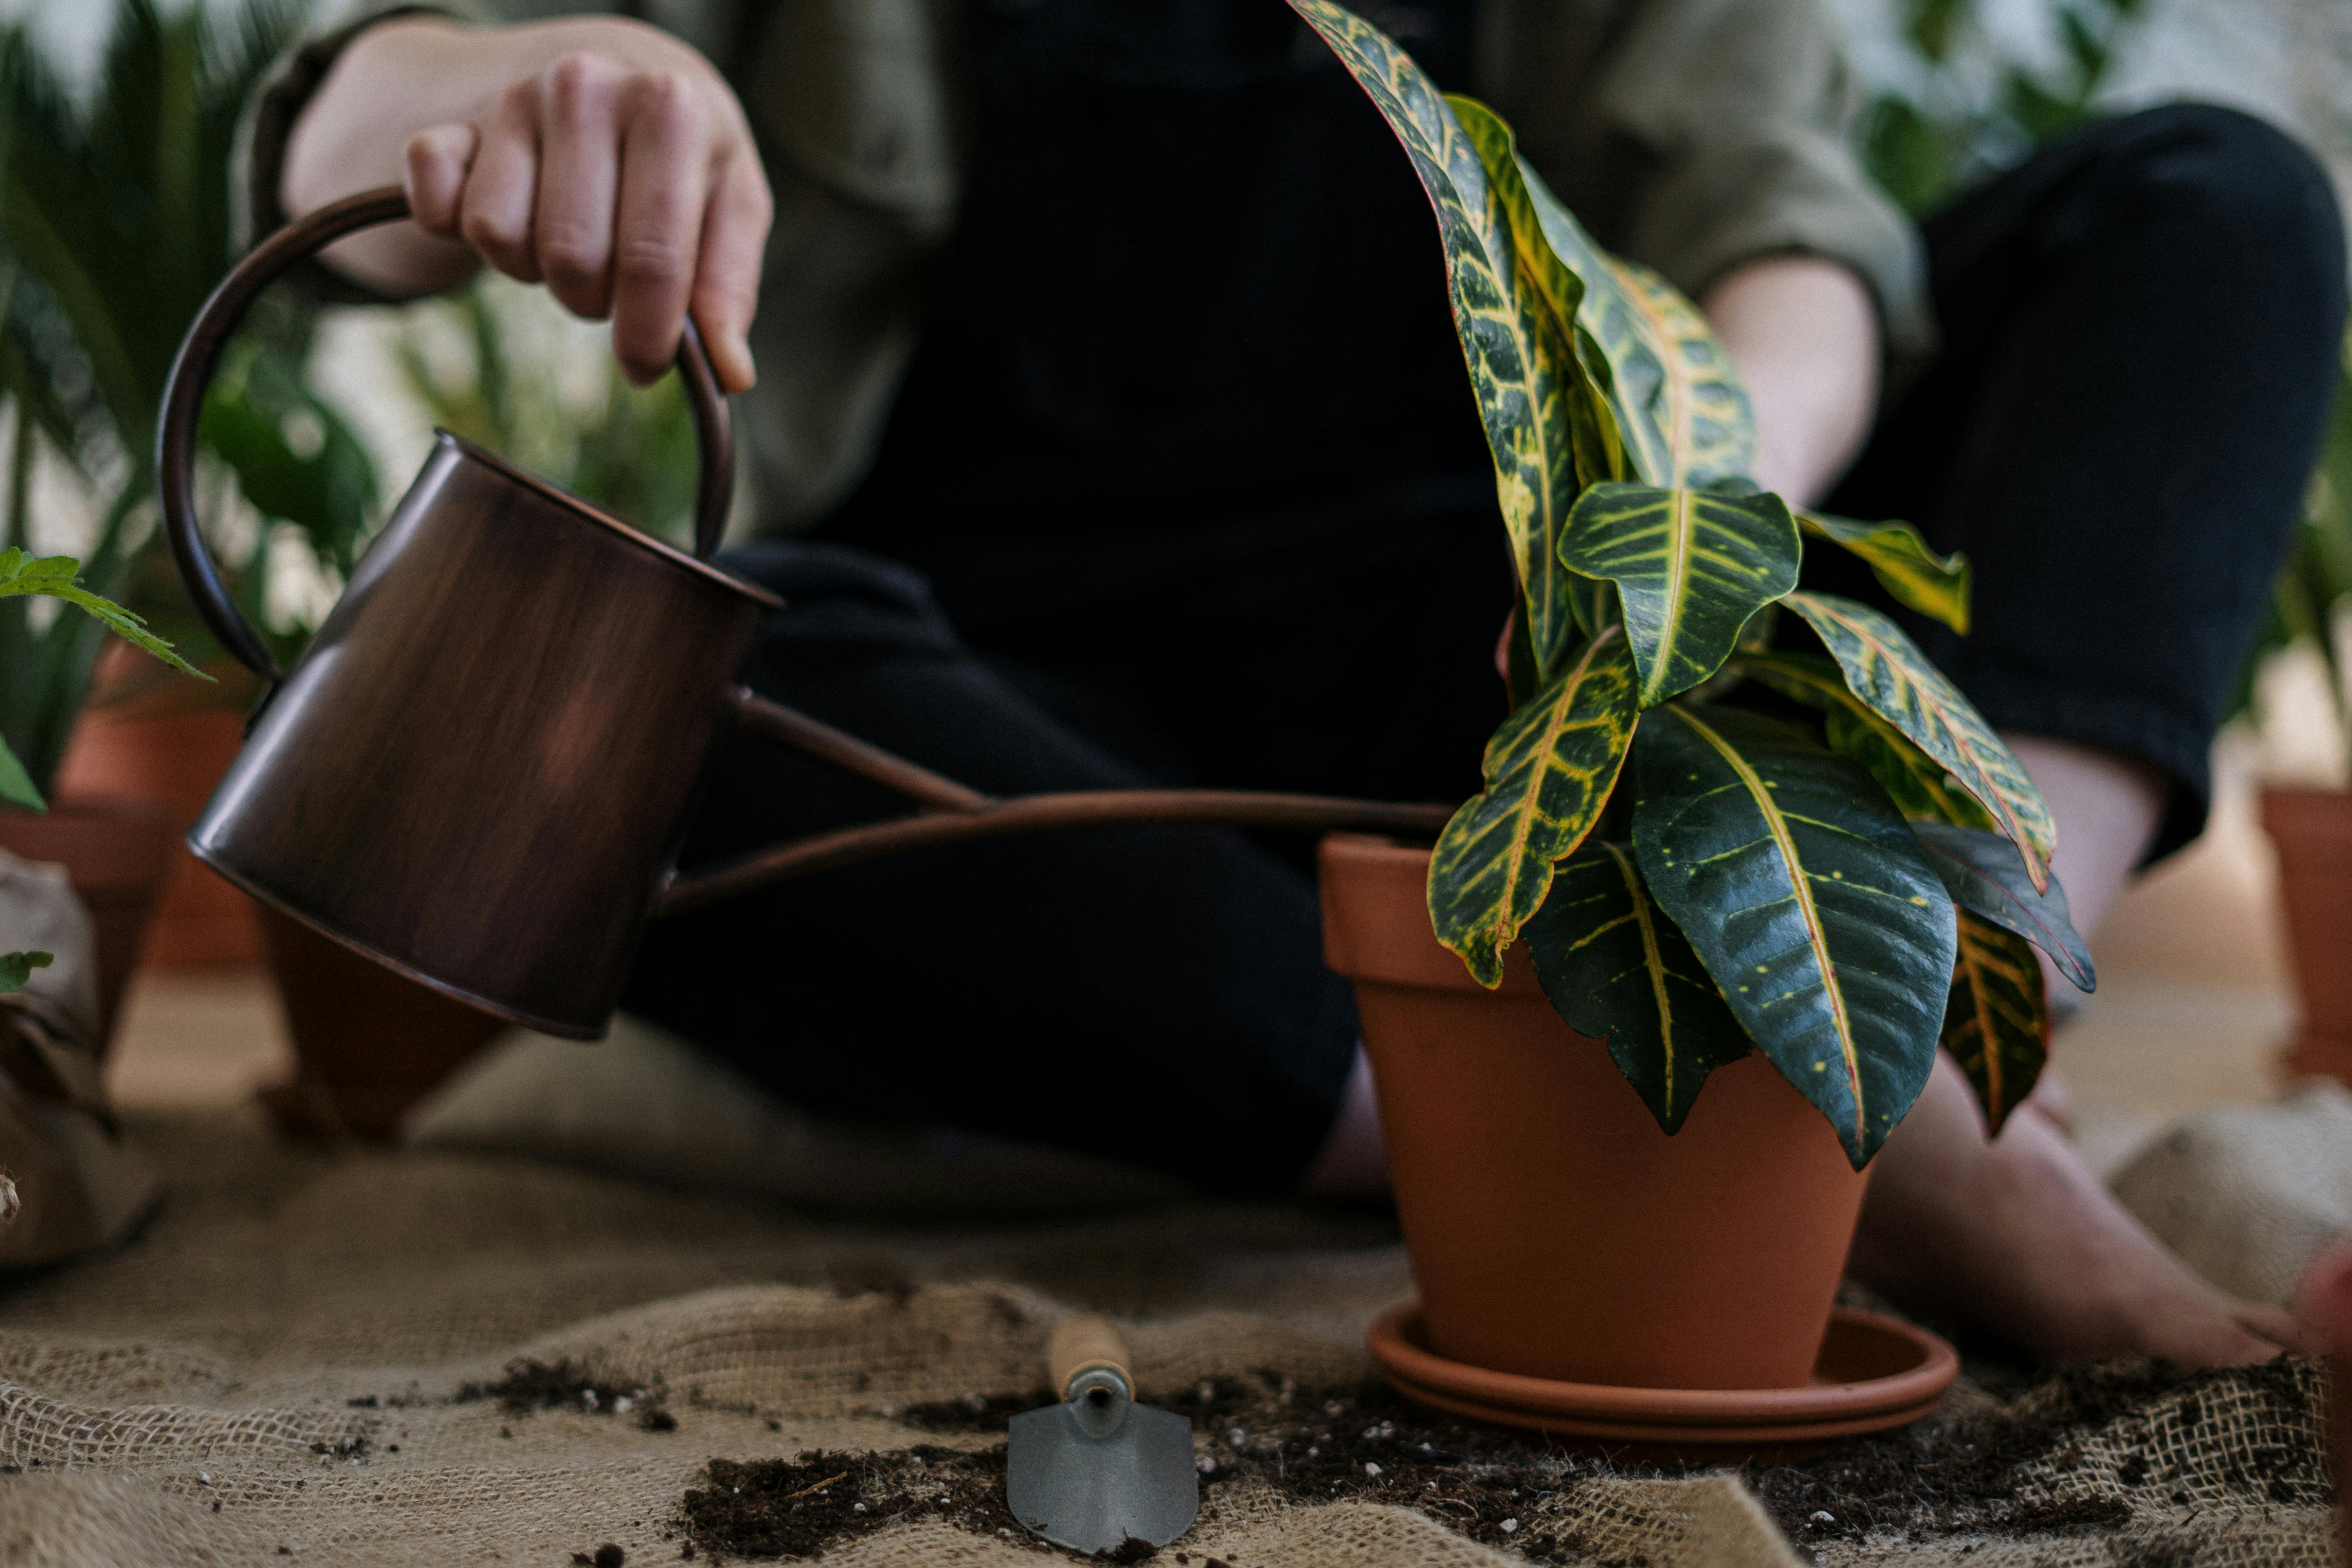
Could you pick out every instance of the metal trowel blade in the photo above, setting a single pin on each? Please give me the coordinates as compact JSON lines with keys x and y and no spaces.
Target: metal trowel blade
{"x":1094,"y":1490}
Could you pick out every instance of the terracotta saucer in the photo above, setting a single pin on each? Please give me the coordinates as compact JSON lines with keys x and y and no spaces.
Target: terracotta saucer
{"x":1875,"y":1372}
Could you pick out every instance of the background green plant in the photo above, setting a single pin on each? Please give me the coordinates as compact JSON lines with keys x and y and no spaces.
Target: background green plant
{"x":1707,"y":843}
{"x":114,"y":224}
{"x":1967,"y":108}
{"x":629,"y":449}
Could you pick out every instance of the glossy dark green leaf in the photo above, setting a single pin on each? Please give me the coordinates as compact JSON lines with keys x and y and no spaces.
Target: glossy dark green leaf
{"x":1885,"y":669}
{"x":1981,"y":870}
{"x":1913,"y":780}
{"x":1507,"y":311}
{"x":1810,"y":900}
{"x":17,"y":969}
{"x":1682,"y":414}
{"x":1617,"y":969}
{"x":1898,"y":556}
{"x":1997,"y":1023}
{"x":1691,"y":567}
{"x":1549,"y":772}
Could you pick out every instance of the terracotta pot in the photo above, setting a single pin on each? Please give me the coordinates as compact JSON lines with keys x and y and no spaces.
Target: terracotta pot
{"x":174,"y":759}
{"x":1554,"y":1231}
{"x":117,"y":853}
{"x":2313,"y":831}
{"x":372,"y":1043}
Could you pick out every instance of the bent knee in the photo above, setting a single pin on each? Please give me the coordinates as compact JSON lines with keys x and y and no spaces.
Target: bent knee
{"x":2230,"y":181}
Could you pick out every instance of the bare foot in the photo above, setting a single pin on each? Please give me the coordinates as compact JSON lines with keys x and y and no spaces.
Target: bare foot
{"x":2018,"y":1237}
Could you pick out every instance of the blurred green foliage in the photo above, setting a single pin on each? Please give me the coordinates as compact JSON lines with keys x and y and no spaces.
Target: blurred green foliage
{"x":1970,"y":109}
{"x":629,"y":449}
{"x":115,"y":224}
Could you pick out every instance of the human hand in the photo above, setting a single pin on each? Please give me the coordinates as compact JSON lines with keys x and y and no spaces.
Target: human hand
{"x":600,"y":156}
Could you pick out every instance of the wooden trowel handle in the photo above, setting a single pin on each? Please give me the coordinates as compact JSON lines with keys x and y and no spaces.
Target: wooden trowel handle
{"x":1081,"y":1344}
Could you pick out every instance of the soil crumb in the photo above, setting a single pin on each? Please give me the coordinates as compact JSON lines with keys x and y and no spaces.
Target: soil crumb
{"x":531,"y":1386}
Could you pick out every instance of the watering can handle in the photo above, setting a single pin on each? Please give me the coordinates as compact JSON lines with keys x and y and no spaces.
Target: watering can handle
{"x":199,"y":356}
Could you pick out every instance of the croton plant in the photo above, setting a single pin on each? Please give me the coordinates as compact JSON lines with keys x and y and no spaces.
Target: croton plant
{"x":1709,"y":842}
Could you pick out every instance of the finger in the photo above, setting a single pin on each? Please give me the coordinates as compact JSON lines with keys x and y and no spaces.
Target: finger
{"x":496,"y":210}
{"x":727,"y":273}
{"x":579,"y":166}
{"x":665,"y":158}
{"x":432,"y":171}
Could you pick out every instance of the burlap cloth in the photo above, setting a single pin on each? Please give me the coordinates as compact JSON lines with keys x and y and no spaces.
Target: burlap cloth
{"x":270,"y":1370}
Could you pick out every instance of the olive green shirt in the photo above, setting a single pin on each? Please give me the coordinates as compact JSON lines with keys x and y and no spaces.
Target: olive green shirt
{"x":1691,"y":135}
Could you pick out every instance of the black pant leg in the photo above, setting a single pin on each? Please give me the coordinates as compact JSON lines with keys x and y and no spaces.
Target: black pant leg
{"x":2141,"y":327}
{"x":1155,"y":994}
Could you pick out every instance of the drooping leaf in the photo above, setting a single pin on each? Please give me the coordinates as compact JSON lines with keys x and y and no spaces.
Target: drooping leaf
{"x":1691,"y":567}
{"x":1913,"y":780}
{"x":1549,"y":769}
{"x":1522,"y":360}
{"x":17,"y":969}
{"x":1810,"y":902}
{"x":52,"y":576}
{"x":16,"y":786}
{"x":1598,"y":443}
{"x":1617,"y":969}
{"x":1982,"y":872}
{"x":1683,"y":416}
{"x":1885,"y":669}
{"x":1997,"y":1023}
{"x":1933,"y":584}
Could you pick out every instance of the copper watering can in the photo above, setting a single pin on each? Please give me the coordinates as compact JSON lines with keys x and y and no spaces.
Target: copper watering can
{"x":478,"y":772}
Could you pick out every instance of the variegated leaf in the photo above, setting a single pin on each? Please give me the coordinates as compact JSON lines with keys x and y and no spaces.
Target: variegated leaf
{"x":1885,"y":669}
{"x":1683,"y":416}
{"x":1691,"y":567}
{"x":1997,"y":1022}
{"x":1522,"y":357}
{"x":1982,"y":873}
{"x":1933,"y":584}
{"x":1598,"y":444}
{"x":1549,"y":772}
{"x":1810,"y":902}
{"x":1913,"y":780}
{"x":1617,"y":969}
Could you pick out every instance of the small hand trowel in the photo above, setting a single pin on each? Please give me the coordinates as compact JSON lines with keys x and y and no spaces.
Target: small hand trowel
{"x":1098,"y":1470}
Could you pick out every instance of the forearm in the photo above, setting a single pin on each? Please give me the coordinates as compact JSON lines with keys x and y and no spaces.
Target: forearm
{"x":409,"y":74}
{"x":1804,"y":335}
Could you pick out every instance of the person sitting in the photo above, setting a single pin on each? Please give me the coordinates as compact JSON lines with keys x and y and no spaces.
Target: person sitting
{"x":1111,"y":430}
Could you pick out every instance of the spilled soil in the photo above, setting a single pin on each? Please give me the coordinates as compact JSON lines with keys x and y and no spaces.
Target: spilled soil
{"x":2018,"y":1470}
{"x":531,"y":1386}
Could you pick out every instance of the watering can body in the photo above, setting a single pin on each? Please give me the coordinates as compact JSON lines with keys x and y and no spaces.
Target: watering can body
{"x":475,"y":773}
{"x":481,"y":770}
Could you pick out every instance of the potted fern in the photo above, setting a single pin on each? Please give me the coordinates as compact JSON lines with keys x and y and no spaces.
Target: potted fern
{"x":1647,"y":1008}
{"x":94,"y":294}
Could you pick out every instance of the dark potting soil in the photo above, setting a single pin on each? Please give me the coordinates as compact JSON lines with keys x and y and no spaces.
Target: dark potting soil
{"x":531,"y":1386}
{"x":1990,"y":1475}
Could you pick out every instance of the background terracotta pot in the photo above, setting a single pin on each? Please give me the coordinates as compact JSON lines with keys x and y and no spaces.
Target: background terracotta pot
{"x":1555,"y":1232}
{"x":174,"y":760}
{"x":117,"y":853}
{"x":2313,"y":831}
{"x":371,"y":1043}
